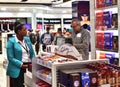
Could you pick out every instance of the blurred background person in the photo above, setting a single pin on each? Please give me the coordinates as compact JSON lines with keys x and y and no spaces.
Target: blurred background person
{"x":59,"y":34}
{"x":32,"y":37}
{"x":46,"y":39}
{"x":37,"y":44}
{"x":67,"y":33}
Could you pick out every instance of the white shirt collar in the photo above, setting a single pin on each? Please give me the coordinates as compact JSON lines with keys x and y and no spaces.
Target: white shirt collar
{"x":18,"y":40}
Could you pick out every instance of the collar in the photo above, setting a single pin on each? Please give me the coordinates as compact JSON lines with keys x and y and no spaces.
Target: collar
{"x":18,"y":40}
{"x":79,"y":31}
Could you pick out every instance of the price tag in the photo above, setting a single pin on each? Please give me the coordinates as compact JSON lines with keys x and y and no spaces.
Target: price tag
{"x":105,"y":85}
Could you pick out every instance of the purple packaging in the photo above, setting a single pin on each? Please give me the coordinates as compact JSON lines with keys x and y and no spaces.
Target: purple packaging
{"x":85,"y":79}
{"x":108,"y":40}
{"x":110,"y":57}
{"x":107,"y":18}
{"x":107,"y":3}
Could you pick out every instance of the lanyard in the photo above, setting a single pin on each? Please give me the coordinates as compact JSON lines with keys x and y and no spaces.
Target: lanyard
{"x":25,"y":47}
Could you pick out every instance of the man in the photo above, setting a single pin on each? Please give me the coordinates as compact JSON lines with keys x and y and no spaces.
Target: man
{"x":81,"y":39}
{"x":37,"y":44}
{"x":46,"y":39}
{"x":58,"y":35}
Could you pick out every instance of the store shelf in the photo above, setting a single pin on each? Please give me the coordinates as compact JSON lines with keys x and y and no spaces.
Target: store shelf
{"x":44,"y":63}
{"x":28,"y":79}
{"x":108,"y":50}
{"x":57,"y":66}
{"x":43,"y":77}
{"x":108,"y":7}
{"x":109,"y":29}
{"x":79,"y":62}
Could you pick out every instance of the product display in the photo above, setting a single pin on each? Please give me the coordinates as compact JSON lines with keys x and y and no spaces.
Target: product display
{"x":114,"y":2}
{"x":115,"y":20}
{"x":42,"y":84}
{"x":108,"y":40}
{"x":95,"y":75}
{"x":99,"y":21}
{"x":107,"y":3}
{"x":107,"y":18}
{"x":100,"y":40}
{"x":107,"y":73}
{"x":99,"y":3}
{"x":115,"y":42}
{"x":62,"y":65}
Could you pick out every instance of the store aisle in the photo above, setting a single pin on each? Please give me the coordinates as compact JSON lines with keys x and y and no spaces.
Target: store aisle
{"x":3,"y":77}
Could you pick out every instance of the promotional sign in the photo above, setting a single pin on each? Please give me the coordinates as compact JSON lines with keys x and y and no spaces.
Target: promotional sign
{"x":79,"y":9}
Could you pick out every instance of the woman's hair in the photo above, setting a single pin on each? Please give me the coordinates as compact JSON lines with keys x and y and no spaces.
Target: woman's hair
{"x":17,"y":26}
{"x":69,"y":40}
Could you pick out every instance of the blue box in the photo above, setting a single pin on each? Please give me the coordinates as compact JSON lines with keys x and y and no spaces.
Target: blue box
{"x":89,"y":78}
{"x":107,"y":3}
{"x":107,"y":18}
{"x":110,"y":57}
{"x":85,"y":79}
{"x":108,"y":40}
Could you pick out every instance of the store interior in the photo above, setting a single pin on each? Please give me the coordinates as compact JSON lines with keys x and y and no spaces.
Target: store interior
{"x":38,"y":14}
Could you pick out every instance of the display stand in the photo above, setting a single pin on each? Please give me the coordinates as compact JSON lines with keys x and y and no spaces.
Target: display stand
{"x":54,"y":67}
{"x":107,"y":6}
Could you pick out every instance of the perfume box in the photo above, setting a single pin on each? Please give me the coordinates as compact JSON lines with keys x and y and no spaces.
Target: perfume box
{"x":116,"y":61}
{"x":107,"y":3}
{"x":75,"y":80}
{"x":108,"y":40}
{"x":102,"y":55}
{"x":114,"y":2}
{"x":100,"y":40}
{"x":115,"y":20}
{"x":115,"y":42}
{"x":99,"y":21}
{"x":99,"y":3}
{"x":107,"y":17}
{"x":89,"y":78}
{"x":110,"y":57}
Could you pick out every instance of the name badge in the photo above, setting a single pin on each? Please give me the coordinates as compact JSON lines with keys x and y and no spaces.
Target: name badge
{"x":79,"y":35}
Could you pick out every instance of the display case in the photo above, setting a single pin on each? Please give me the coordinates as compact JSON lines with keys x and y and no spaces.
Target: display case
{"x":47,"y":73}
{"x":105,"y":26}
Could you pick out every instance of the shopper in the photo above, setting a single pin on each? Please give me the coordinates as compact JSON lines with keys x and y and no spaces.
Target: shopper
{"x":32,"y":37}
{"x":46,"y":39}
{"x":58,"y":35}
{"x":81,"y":39}
{"x":37,"y":44}
{"x":19,"y":54}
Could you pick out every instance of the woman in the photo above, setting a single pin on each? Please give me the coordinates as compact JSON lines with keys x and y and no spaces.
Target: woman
{"x":19,"y":54}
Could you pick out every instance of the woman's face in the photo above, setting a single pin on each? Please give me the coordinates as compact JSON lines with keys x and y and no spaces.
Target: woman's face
{"x":23,"y":31}
{"x":84,"y":18}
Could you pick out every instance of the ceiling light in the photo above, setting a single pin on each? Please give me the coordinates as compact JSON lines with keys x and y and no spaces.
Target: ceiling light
{"x":22,"y":9}
{"x":3,"y":9}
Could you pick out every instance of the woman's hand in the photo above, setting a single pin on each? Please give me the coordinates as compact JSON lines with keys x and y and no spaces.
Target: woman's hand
{"x":24,"y":66}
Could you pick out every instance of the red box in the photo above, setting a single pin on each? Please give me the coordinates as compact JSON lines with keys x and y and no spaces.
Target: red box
{"x":99,"y":3}
{"x":102,"y":55}
{"x":100,"y":40}
{"x":99,"y":21}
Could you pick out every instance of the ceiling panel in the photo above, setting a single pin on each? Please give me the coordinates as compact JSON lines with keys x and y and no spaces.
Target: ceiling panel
{"x":29,"y":1}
